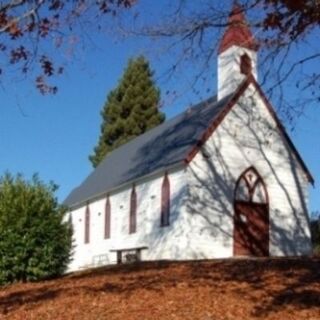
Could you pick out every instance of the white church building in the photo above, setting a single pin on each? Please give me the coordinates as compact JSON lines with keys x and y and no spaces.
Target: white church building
{"x":222,"y":179}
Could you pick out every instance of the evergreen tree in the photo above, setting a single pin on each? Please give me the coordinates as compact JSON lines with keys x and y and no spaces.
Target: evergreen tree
{"x":130,"y":110}
{"x":35,"y":239}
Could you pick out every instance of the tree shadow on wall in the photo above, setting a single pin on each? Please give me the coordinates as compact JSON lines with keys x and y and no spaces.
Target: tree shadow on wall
{"x":213,"y":206}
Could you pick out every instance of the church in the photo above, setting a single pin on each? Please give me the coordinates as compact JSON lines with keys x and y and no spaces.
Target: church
{"x":221,"y":180}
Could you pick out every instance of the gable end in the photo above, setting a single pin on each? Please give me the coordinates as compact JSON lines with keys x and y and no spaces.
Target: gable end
{"x":214,"y":125}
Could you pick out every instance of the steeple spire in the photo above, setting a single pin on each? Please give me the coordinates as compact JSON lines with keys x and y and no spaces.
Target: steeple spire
{"x":238,"y":32}
{"x":237,"y":57}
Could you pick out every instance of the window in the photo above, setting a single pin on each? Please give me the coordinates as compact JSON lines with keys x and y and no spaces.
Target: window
{"x":133,"y":211}
{"x":107,"y":219}
{"x":245,"y":65}
{"x":87,"y":225}
{"x":251,"y":188}
{"x":165,"y":201}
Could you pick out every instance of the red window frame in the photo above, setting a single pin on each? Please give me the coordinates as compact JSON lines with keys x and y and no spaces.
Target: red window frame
{"x":133,"y":211}
{"x":165,"y":202}
{"x":87,"y":225}
{"x":107,"y":219}
{"x":251,"y":188}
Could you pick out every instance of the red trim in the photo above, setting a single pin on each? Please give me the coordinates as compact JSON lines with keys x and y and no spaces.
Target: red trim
{"x":210,"y":130}
{"x":165,"y":201}
{"x":133,"y":211}
{"x":107,"y":219}
{"x":87,"y":225}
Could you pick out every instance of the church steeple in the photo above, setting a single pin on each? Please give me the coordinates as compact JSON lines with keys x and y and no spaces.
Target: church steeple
{"x":238,"y":32}
{"x":237,"y":53}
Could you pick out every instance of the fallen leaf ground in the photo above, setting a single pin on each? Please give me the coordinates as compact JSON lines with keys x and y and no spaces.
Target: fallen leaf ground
{"x":209,"y":290}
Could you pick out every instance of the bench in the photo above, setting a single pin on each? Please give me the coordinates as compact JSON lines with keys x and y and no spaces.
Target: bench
{"x":131,"y":254}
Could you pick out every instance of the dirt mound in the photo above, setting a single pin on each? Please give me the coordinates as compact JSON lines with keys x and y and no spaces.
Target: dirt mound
{"x":207,"y":290}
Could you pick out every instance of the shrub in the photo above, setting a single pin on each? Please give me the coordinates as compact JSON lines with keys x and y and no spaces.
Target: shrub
{"x":35,"y":239}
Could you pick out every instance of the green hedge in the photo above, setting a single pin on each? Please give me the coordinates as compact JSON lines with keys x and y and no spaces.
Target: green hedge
{"x":35,"y":241}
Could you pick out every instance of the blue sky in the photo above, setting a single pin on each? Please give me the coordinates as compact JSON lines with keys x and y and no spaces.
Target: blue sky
{"x":53,"y":135}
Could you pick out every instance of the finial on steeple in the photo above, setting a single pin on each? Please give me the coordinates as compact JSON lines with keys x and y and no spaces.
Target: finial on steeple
{"x":238,"y":32}
{"x":236,"y":14}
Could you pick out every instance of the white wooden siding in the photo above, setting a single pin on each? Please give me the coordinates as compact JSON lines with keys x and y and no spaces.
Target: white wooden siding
{"x":162,"y":241}
{"x":247,"y":137}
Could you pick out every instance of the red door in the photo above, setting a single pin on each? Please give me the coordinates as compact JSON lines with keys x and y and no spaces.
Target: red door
{"x":251,"y":216}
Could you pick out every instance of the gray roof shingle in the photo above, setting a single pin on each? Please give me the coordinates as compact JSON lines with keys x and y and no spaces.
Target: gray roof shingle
{"x":158,"y":149}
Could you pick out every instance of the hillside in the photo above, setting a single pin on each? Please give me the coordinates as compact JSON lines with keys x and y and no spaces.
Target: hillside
{"x":208,"y":290}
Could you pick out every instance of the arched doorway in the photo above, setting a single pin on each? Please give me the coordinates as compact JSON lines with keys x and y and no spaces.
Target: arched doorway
{"x":251,"y":215}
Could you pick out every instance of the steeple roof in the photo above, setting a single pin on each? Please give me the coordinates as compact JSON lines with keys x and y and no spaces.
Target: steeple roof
{"x":238,"y":32}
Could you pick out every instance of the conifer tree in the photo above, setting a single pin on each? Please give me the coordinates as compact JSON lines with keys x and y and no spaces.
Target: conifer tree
{"x":131,"y":109}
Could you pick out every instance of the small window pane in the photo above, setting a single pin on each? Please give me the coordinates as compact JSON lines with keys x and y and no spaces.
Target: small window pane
{"x":251,"y":178}
{"x":242,"y":192}
{"x":259,"y":194}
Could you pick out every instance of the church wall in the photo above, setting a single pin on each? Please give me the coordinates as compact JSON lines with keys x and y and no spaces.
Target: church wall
{"x":246,"y":137}
{"x":201,"y":218}
{"x":163,"y":242}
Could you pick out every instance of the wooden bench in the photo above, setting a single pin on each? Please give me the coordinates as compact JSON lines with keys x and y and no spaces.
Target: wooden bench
{"x":133,"y":254}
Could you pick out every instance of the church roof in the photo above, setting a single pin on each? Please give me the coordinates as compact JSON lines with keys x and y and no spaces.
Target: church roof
{"x":158,"y":149}
{"x":174,"y":142}
{"x":238,"y":32}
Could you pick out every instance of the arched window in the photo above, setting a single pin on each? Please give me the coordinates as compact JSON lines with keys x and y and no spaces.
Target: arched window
{"x":251,"y":188}
{"x":107,"y":219}
{"x":87,"y":225}
{"x":133,"y":211}
{"x":245,"y":64}
{"x":165,"y":201}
